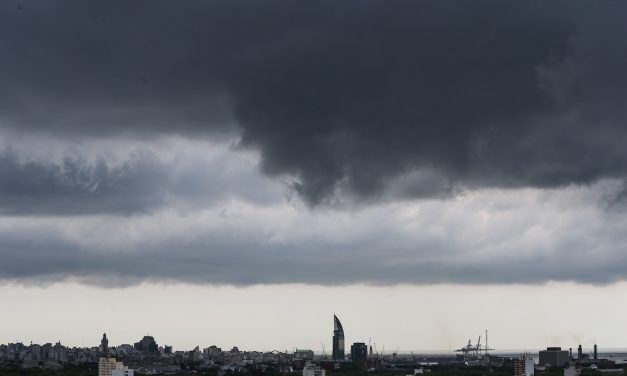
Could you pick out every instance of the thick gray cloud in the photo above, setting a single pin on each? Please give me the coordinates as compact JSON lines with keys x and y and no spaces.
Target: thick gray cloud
{"x":480,"y":239}
{"x":343,"y":96}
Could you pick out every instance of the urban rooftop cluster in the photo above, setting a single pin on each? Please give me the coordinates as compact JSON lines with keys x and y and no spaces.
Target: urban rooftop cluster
{"x":146,"y":356}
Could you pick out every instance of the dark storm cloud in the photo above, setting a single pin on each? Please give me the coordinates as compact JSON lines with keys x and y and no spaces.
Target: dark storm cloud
{"x":345,"y":96}
{"x":139,"y":185}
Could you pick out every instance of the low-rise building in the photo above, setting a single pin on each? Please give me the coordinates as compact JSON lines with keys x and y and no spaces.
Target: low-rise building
{"x":313,"y":370}
{"x":304,"y":354}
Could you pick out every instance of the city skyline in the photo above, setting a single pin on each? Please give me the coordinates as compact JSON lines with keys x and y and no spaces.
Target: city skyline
{"x":148,"y":344}
{"x":147,"y":357}
{"x":438,"y":326}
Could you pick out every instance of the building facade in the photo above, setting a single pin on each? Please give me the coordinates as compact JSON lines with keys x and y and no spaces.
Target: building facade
{"x":572,"y":371}
{"x":338,"y":339}
{"x":304,"y":354}
{"x":554,"y":357}
{"x":106,"y":366}
{"x":524,"y":366}
{"x":124,"y":371}
{"x":147,"y":345}
{"x":313,"y":370}
{"x":359,"y":355}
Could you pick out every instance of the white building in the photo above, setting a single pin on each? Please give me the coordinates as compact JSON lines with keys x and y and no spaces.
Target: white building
{"x":313,"y":370}
{"x":111,"y":367}
{"x":524,"y":366}
{"x":124,"y":371}
{"x":529,"y":366}
{"x":572,"y":371}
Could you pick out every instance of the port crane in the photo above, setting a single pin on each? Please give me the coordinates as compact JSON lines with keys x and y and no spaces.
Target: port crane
{"x":471,"y":350}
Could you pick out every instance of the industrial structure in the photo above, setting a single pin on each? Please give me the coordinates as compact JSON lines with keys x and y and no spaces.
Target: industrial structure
{"x":474,"y":351}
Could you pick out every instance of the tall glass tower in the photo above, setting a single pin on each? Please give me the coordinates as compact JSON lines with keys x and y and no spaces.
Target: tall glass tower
{"x":338,"y":339}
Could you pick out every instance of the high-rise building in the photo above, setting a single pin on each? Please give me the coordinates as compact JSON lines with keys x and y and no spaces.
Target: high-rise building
{"x":359,"y":355}
{"x":579,"y":353}
{"x":104,"y":344}
{"x":338,"y":339}
{"x":596,"y":355}
{"x":524,"y":366}
{"x":554,"y":357}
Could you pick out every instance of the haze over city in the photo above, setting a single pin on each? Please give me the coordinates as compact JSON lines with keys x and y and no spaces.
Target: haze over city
{"x":236,"y":172}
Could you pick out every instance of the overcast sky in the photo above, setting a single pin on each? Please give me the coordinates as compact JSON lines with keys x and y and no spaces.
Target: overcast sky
{"x":337,"y":149}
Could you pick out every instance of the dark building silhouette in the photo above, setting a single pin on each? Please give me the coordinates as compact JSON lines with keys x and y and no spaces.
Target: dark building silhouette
{"x":338,"y":339}
{"x":579,"y":353}
{"x":359,"y":355}
{"x":104,"y":343}
{"x":554,"y":357}
{"x":147,"y":345}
